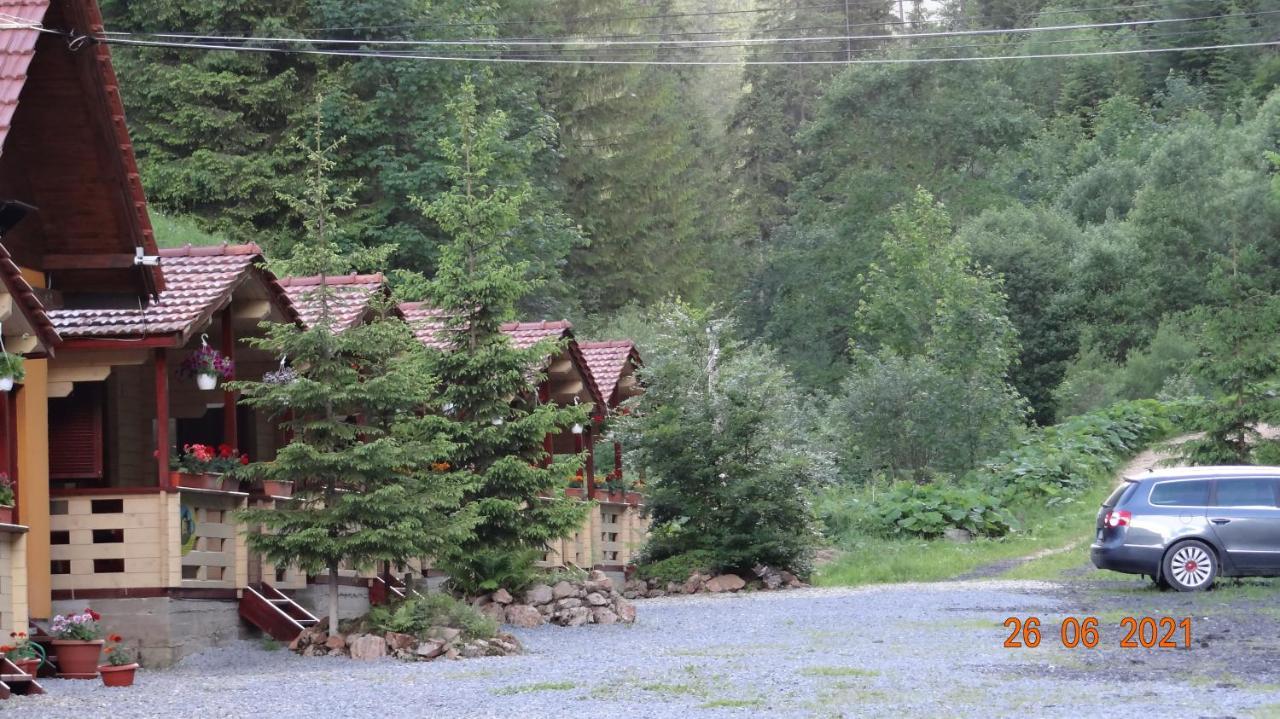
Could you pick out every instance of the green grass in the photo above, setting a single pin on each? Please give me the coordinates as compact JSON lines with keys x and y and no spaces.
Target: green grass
{"x":538,"y":687}
{"x":178,"y":231}
{"x":837,"y":672}
{"x":674,"y":689}
{"x":878,"y":561}
{"x":731,"y":703}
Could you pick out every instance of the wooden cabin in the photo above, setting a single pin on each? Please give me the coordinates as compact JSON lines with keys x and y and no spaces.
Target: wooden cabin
{"x":74,"y":224}
{"x":622,"y":526}
{"x":351,"y":298}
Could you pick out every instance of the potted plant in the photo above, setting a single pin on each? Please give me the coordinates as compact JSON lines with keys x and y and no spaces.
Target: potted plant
{"x":11,"y":370}
{"x":201,"y":466}
{"x":6,"y":499}
{"x":24,"y":653}
{"x":77,"y":644}
{"x":277,"y":488}
{"x":207,"y":365}
{"x":120,"y":666}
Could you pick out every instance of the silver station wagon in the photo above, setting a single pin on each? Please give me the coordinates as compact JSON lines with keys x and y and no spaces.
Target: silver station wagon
{"x":1185,"y":527}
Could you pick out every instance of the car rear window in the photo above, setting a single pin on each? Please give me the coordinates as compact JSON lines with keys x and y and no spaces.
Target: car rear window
{"x":1119,"y":494}
{"x":1246,"y":493}
{"x":1185,"y":493}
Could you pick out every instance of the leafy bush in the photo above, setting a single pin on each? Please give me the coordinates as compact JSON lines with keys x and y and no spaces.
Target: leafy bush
{"x":677,"y":568}
{"x":927,"y":510}
{"x":1050,"y":467}
{"x":416,"y":614}
{"x":484,"y":571}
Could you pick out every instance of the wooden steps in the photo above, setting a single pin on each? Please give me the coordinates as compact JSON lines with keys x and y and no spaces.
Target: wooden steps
{"x":14,"y":681}
{"x":386,"y":588}
{"x":270,"y":610}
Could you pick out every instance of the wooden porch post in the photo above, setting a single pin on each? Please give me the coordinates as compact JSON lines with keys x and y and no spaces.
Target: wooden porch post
{"x":162,"y":417}
{"x":229,"y":430}
{"x":617,"y":459}
{"x":588,"y":436}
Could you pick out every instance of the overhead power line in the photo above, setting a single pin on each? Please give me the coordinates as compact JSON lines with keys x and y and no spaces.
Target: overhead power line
{"x":664,"y":62}
{"x":572,"y":42}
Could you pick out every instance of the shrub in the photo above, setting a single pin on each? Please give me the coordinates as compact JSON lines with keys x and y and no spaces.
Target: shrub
{"x":927,"y":510}
{"x":417,"y":614}
{"x":677,"y":568}
{"x":481,"y":572}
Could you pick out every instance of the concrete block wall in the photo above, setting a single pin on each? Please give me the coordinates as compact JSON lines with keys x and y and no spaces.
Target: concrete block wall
{"x":164,"y":630}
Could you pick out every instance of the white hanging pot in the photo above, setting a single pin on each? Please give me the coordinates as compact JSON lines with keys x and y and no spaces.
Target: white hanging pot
{"x":207,"y":381}
{"x":6,"y":384}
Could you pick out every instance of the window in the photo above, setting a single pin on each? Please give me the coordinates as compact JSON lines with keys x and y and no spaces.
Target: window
{"x":1119,"y":495}
{"x":75,"y":434}
{"x":1246,"y":493}
{"x":1185,"y":493}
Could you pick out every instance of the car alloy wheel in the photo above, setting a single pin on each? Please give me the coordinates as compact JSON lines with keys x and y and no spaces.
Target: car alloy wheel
{"x":1190,"y":567}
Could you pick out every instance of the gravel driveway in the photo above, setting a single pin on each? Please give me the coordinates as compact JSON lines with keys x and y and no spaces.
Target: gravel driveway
{"x":921,"y":650}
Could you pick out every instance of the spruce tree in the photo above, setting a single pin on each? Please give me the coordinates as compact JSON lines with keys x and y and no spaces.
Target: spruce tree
{"x":496,"y":424}
{"x":362,"y":443}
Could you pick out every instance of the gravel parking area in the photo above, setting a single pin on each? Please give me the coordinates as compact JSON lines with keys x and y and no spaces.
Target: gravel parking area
{"x":927,"y":650}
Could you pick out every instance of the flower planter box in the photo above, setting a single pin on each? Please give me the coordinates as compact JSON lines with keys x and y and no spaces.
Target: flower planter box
{"x":77,"y":659}
{"x":27,"y":666}
{"x":6,"y":514}
{"x":632,"y":498}
{"x":277,"y":488}
{"x":574,"y":492}
{"x":217,"y":482}
{"x":118,"y":676}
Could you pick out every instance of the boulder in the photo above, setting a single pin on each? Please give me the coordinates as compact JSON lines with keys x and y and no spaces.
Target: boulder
{"x":604,"y":615}
{"x":673,"y":588}
{"x":596,"y":575}
{"x":546,"y":609}
{"x":538,"y":594}
{"x":502,"y":596}
{"x":625,"y":610}
{"x":495,"y":611}
{"x":397,"y":641}
{"x":563,"y":589}
{"x":430,"y":649}
{"x":694,"y":584}
{"x":451,"y":654}
{"x":568,"y":603}
{"x":725,"y":583}
{"x":652,"y":595}
{"x":597,"y":599}
{"x":957,"y":535}
{"x":474,"y":648}
{"x":444,"y":634}
{"x":574,"y":617}
{"x":367,"y":647}
{"x":523,"y":615}
{"x":335,"y":642}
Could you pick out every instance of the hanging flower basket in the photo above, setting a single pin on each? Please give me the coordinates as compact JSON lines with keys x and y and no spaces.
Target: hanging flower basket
{"x":11,"y":370}
{"x":207,"y":365}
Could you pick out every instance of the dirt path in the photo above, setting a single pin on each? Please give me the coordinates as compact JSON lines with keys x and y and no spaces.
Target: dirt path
{"x":1144,"y":461}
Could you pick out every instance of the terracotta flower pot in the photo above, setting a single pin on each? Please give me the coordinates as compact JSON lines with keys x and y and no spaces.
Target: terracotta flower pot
{"x":118,"y":676}
{"x":27,"y":666}
{"x":6,"y":514}
{"x":77,"y":659}
{"x":277,"y":488}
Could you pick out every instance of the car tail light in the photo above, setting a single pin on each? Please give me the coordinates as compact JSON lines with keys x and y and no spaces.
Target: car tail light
{"x":1117,"y":518}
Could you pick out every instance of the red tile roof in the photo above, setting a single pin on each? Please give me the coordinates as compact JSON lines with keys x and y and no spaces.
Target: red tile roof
{"x":17,"y":47}
{"x":350,"y":298}
{"x":429,"y":325}
{"x":607,"y":361}
{"x":28,"y":304}
{"x":201,"y":281}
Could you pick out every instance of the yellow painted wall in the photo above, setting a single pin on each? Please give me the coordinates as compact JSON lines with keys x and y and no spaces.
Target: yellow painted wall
{"x":33,"y":482}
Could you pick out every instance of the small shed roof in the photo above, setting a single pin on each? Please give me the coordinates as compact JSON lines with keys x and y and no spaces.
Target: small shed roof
{"x":202,"y":280}
{"x":350,"y":300}
{"x":429,"y":325}
{"x":27,"y":302}
{"x":608,"y":360}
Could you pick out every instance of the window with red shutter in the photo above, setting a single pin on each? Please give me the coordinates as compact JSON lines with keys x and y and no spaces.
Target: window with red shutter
{"x":75,"y":433}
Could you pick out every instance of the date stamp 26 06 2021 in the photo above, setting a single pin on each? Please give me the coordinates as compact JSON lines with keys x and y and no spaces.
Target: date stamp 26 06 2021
{"x":1137,"y":632}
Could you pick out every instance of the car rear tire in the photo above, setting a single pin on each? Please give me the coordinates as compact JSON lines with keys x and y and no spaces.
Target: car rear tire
{"x":1190,"y":566}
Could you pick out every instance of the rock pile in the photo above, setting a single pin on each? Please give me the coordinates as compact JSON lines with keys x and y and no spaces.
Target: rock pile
{"x":439,"y":643}
{"x":768,"y":579}
{"x":569,"y":604}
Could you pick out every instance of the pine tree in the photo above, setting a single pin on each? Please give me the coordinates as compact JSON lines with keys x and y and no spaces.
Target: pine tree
{"x":497,"y":424}
{"x":362,"y":448}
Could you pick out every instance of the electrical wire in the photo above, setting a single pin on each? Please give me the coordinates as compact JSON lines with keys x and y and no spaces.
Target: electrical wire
{"x":689,"y":43}
{"x":661,"y":62}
